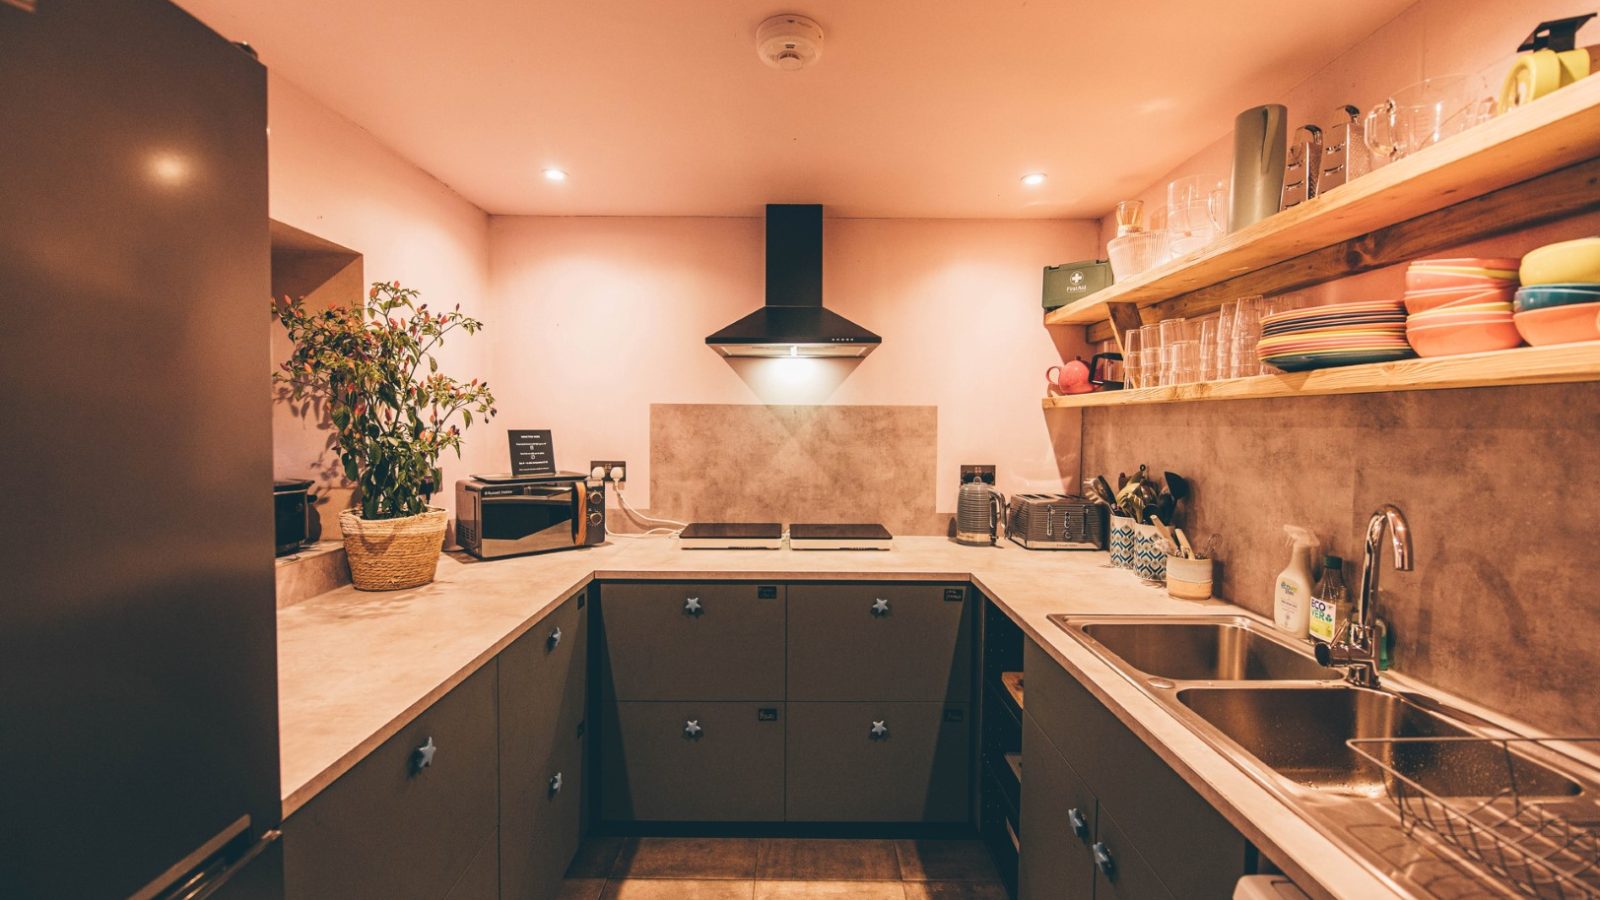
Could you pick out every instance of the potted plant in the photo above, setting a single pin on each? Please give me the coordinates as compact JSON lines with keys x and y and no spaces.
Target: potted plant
{"x":393,"y":414}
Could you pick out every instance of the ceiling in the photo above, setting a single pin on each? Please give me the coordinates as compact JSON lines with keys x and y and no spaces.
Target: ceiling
{"x":917,"y":108}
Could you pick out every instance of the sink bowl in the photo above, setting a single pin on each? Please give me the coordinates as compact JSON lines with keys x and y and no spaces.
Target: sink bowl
{"x":1300,"y":734}
{"x":1225,"y":650}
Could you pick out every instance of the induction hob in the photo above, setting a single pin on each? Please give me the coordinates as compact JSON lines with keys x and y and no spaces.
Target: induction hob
{"x":731,"y":536}
{"x":867,"y":536}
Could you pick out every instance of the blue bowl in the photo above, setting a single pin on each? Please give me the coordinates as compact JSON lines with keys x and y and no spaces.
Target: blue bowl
{"x":1544,"y":296}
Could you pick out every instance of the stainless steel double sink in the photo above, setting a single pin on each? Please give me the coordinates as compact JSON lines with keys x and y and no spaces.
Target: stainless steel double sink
{"x":1268,"y":705}
{"x":1262,"y":702}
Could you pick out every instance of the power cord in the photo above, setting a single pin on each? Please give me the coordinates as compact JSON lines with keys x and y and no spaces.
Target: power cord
{"x":658,"y":531}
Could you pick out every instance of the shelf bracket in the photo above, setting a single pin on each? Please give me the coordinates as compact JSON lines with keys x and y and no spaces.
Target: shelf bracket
{"x":1124,"y":318}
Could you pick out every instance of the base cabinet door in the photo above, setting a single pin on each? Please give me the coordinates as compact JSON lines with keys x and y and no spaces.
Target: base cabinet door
{"x":880,"y":642}
{"x":542,"y":731}
{"x":893,"y":761}
{"x":677,"y":640}
{"x":481,"y":881}
{"x":393,"y":827}
{"x":1058,"y":824}
{"x":1120,"y":870}
{"x":692,"y":761}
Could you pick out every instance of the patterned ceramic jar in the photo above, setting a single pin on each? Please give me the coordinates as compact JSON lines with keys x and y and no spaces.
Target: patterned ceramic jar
{"x":1121,"y":542}
{"x":1149,"y":553}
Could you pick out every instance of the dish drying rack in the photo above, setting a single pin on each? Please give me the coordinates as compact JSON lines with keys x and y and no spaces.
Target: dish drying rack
{"x":1520,"y":812}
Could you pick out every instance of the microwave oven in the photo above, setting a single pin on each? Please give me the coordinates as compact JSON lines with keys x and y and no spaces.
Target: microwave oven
{"x":499,"y":516}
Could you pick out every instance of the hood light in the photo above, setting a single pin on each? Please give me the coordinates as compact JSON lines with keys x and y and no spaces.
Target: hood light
{"x":555,"y":174}
{"x":1033,"y":179}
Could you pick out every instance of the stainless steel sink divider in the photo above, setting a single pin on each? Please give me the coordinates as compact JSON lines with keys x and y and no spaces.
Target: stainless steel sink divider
{"x":1542,"y":846}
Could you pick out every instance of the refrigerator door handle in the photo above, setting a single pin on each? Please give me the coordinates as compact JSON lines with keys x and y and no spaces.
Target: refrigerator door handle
{"x":208,"y":866}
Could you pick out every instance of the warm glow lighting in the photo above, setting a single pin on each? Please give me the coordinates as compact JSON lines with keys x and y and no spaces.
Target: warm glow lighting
{"x":168,"y":168}
{"x":555,"y":174}
{"x":1033,"y":179}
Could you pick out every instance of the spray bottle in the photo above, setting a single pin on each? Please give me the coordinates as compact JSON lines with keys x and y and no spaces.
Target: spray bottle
{"x":1292,"y":595}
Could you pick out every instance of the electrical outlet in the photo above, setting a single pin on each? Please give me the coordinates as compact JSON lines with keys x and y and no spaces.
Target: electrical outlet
{"x":613,"y":470}
{"x":984,"y":474}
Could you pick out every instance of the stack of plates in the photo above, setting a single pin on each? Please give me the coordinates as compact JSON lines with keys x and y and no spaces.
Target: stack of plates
{"x":1343,"y":334}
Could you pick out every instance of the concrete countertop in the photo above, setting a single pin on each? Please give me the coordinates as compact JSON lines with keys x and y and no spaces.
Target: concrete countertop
{"x":354,"y":667}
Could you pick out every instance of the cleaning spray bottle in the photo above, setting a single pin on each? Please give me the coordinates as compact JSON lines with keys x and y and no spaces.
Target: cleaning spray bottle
{"x":1292,"y":595}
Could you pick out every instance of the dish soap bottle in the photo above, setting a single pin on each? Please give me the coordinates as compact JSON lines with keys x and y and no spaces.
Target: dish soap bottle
{"x":1330,"y":601}
{"x":1291,"y":598}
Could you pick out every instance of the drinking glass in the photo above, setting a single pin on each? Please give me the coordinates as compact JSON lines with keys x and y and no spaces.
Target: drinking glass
{"x":1246,"y":334}
{"x":1206,"y":331}
{"x":1425,"y":113}
{"x":1224,"y":346}
{"x":1197,"y":212}
{"x":1172,"y":331}
{"x":1150,"y":359}
{"x":1185,"y":361}
{"x":1133,"y":358}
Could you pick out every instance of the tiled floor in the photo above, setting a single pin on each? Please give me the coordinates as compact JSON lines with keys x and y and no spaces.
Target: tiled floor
{"x":779,"y":869}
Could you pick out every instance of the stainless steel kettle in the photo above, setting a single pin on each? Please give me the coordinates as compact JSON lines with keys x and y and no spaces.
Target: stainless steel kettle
{"x":978,"y":511}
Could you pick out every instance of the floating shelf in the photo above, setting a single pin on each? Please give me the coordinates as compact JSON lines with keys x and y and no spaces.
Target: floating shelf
{"x":1564,"y":363}
{"x":1551,"y":133}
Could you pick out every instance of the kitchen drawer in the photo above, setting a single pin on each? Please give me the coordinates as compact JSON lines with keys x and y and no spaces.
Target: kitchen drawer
{"x":730,"y":769}
{"x":1058,"y":822}
{"x":1122,"y":872}
{"x":542,"y":706}
{"x":880,"y":642}
{"x":919,"y":770}
{"x":390,"y":829}
{"x":676,"y":641}
{"x":1185,"y":840}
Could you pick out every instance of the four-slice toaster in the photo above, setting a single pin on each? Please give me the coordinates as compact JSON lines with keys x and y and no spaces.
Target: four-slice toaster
{"x":1056,"y":522}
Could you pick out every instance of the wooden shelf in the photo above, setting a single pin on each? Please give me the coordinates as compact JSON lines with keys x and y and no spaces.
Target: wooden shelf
{"x":1560,"y":364}
{"x":1013,"y":683}
{"x":1549,"y":134}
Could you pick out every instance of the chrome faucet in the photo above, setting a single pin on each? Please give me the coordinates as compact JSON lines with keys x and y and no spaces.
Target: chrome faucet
{"x":1356,"y":648}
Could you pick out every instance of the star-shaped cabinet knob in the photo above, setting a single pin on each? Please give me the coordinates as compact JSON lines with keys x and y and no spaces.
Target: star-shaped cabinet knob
{"x":880,"y":607}
{"x":555,"y":784}
{"x":880,"y":729}
{"x":692,"y":606}
{"x":692,"y":729}
{"x":554,"y":640}
{"x":424,"y":754}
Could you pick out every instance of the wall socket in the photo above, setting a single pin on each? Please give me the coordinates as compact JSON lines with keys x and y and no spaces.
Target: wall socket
{"x":613,"y":470}
{"x":984,"y":474}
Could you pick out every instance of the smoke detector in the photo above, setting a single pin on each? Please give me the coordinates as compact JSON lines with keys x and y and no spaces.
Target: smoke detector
{"x":789,"y":42}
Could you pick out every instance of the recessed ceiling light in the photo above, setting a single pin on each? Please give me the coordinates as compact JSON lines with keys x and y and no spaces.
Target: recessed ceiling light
{"x":555,"y":174}
{"x":1033,"y":179}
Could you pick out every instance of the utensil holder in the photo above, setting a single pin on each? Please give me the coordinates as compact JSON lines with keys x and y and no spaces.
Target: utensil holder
{"x":1122,"y":542}
{"x":1149,"y":553}
{"x":1189,"y":579}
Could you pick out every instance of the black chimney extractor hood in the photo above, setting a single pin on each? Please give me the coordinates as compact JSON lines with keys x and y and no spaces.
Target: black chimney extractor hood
{"x":794,"y":322}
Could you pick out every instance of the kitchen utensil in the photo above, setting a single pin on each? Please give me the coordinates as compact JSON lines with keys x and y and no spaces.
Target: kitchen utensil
{"x":1550,"y":60}
{"x":1108,"y":371}
{"x":1130,"y":216}
{"x":1425,"y":113}
{"x":1150,"y":368}
{"x":1344,"y":150}
{"x":1300,"y":362}
{"x":1133,"y":358}
{"x":1304,"y":166}
{"x":1543,"y":296}
{"x":1149,"y":554}
{"x":1566,"y":262}
{"x":1177,"y":486}
{"x":1258,"y":165}
{"x":1419,"y":302}
{"x":1184,"y":362}
{"x":1183,"y":543}
{"x":1104,"y":488}
{"x":1559,"y":324}
{"x":1207,"y":331}
{"x":979,"y":509}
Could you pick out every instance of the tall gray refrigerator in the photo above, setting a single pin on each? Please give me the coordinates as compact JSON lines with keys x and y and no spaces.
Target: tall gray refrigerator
{"x":138,"y":675}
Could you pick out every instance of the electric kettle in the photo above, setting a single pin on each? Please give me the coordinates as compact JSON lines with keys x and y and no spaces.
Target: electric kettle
{"x":979,"y":508}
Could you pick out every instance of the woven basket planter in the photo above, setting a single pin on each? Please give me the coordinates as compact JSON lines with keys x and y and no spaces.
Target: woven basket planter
{"x":392,"y":554}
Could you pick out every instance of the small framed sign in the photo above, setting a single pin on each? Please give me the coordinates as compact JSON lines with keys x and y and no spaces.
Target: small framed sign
{"x":532,"y":452}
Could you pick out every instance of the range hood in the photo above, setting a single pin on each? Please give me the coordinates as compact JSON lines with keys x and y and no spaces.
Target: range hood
{"x":793,"y":322}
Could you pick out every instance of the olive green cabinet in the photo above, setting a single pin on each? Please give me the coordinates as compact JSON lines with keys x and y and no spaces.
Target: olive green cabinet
{"x":413,"y":816}
{"x":543,"y":695}
{"x":692,"y":761}
{"x":678,"y":641}
{"x":1154,"y":836}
